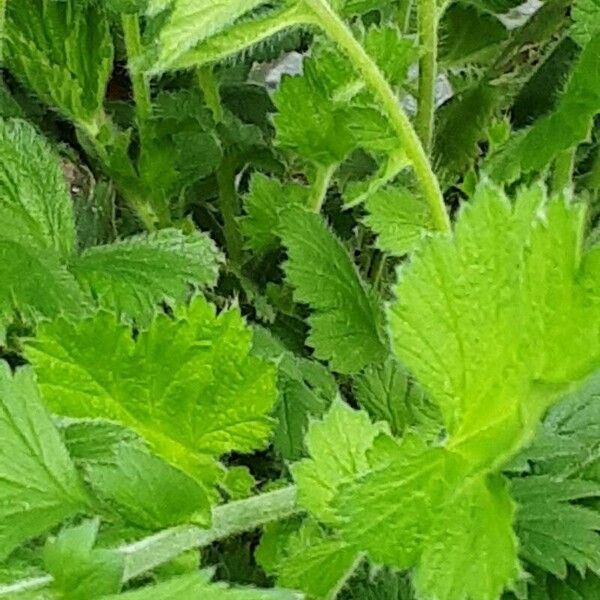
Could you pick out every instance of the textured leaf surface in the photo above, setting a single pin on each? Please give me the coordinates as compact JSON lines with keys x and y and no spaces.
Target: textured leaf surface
{"x":586,"y":15}
{"x":338,"y":448}
{"x":399,"y":217}
{"x":187,"y":384}
{"x":38,"y":483}
{"x":63,"y":52}
{"x":145,"y":490}
{"x":347,"y":320}
{"x":555,"y":531}
{"x":34,"y":203}
{"x":133,"y":275}
{"x":505,"y":295}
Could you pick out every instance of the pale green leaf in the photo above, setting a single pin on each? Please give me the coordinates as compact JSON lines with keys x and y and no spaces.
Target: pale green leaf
{"x":400,"y":219}
{"x":471,"y":551}
{"x":80,"y":571}
{"x":586,"y":17}
{"x":132,"y":276}
{"x":506,"y":293}
{"x":35,"y":205}
{"x":338,"y":448}
{"x":63,"y":52}
{"x":145,"y":490}
{"x":186,"y":383}
{"x":347,"y":324}
{"x":553,"y":529}
{"x":39,"y":486}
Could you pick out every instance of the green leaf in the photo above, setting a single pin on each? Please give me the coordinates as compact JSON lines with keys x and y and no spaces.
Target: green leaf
{"x":586,"y":17}
{"x":393,"y":53}
{"x":387,"y":393}
{"x":553,"y":530}
{"x":320,"y":569}
{"x":338,"y":448}
{"x":568,"y":126}
{"x":399,"y":217}
{"x":506,"y":293}
{"x":132,"y":276}
{"x":79,"y":571}
{"x":63,"y":52}
{"x":347,"y":324}
{"x":39,"y":486}
{"x":471,"y":552}
{"x":35,"y":205}
{"x":186,"y":384}
{"x":193,"y":21}
{"x":145,"y":490}
{"x":264,"y":202}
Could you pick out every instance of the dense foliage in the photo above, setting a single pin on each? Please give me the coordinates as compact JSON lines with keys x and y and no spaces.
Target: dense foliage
{"x":331,"y":334}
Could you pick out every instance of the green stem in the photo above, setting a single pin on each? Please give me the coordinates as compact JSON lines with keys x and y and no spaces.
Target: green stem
{"x":564,"y":166}
{"x":229,"y":519}
{"x":139,"y":82}
{"x":2,"y":29}
{"x":593,"y":181}
{"x":428,"y":43}
{"x":403,"y":15}
{"x":230,"y":208}
{"x":210,"y":89}
{"x":325,"y":17}
{"x":320,"y":187}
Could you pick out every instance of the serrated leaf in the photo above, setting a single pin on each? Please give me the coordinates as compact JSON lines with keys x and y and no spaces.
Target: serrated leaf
{"x":263,"y":203}
{"x":553,"y":529}
{"x":387,"y":393}
{"x":399,"y":218}
{"x":505,"y":293}
{"x":34,"y":202}
{"x":39,"y":486}
{"x":132,"y":276}
{"x":471,"y":551}
{"x":568,"y":126}
{"x":186,"y":384}
{"x":193,"y":21}
{"x":338,"y":448}
{"x":145,"y":490}
{"x":80,"y":571}
{"x":63,"y":52}
{"x":347,"y":321}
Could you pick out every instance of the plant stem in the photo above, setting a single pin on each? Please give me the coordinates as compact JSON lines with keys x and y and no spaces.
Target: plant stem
{"x":326,"y":18}
{"x":403,"y":15}
{"x":2,"y":29}
{"x":321,"y":185}
{"x":141,"y":87}
{"x":564,"y":165}
{"x":229,"y":519}
{"x":428,"y":45}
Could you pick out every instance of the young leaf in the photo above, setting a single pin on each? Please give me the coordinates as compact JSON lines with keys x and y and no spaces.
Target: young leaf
{"x":145,"y":490}
{"x":553,"y":530}
{"x":39,"y":486}
{"x":400,"y":219}
{"x":586,"y":17}
{"x":347,"y":325}
{"x":505,"y":294}
{"x":186,"y":384}
{"x":63,"y":52}
{"x":80,"y":571}
{"x":134,"y":275}
{"x":35,"y":206}
{"x":338,"y":448}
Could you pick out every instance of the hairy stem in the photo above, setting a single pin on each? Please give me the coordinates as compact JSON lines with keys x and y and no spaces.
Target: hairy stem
{"x":325,"y":17}
{"x":139,"y":82}
{"x":320,"y":187}
{"x":210,"y":89}
{"x":403,"y":15}
{"x":229,"y":519}
{"x":428,"y":43}
{"x":2,"y":29}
